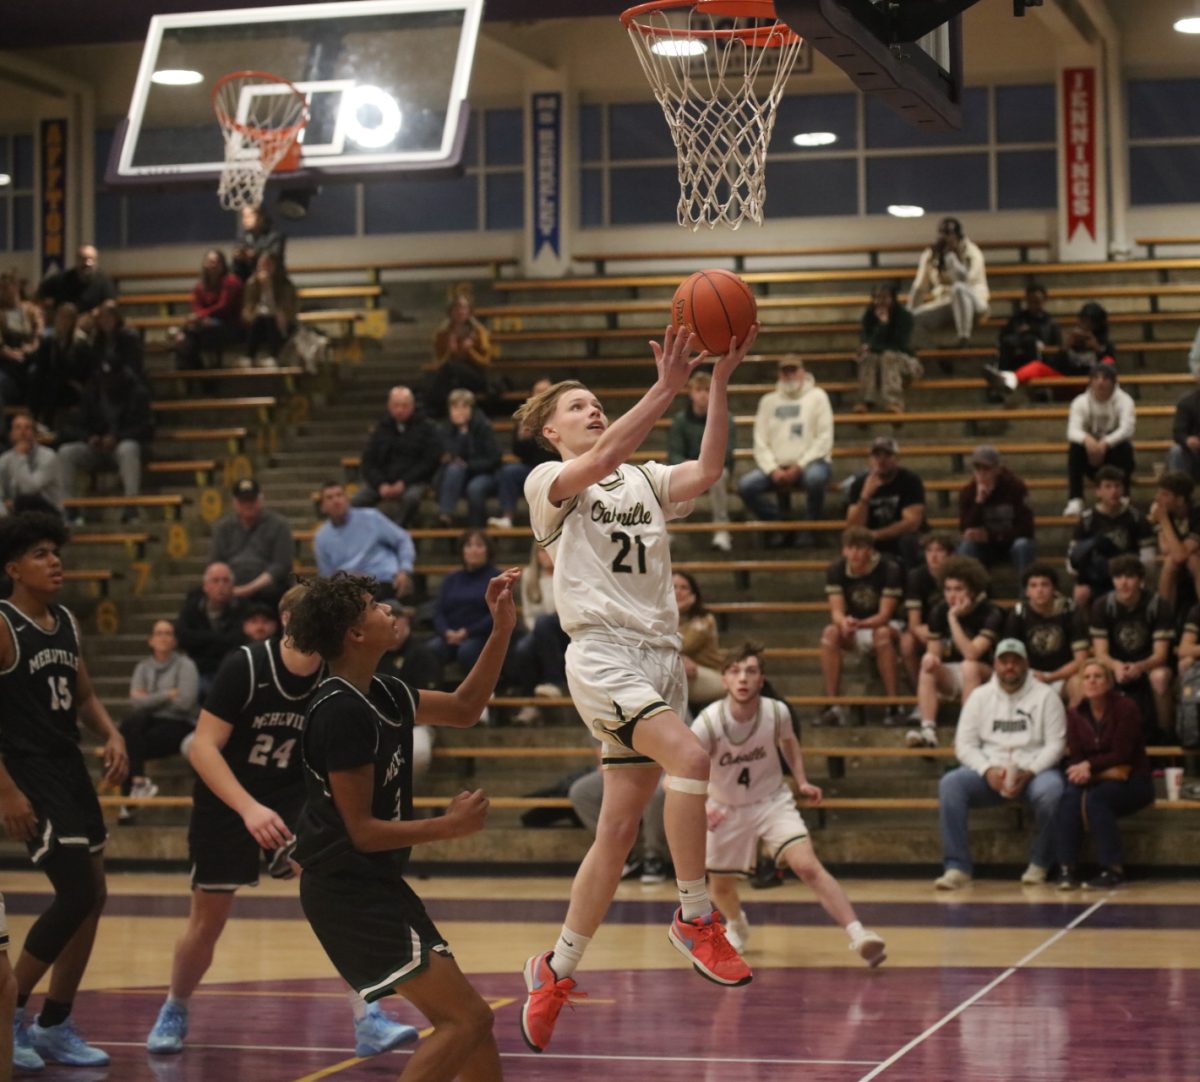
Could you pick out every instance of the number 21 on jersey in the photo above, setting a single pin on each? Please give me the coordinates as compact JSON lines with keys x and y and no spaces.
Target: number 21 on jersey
{"x":627,"y":543}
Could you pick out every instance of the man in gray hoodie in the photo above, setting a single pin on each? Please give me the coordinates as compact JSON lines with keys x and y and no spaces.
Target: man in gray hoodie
{"x":793,"y":448}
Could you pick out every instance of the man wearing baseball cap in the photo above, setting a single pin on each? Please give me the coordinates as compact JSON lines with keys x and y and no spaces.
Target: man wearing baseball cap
{"x":256,"y":543}
{"x":994,"y":513}
{"x":889,"y":500}
{"x":1011,"y":735}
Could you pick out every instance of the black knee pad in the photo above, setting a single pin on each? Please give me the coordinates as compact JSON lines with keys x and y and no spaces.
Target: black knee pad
{"x":76,"y":896}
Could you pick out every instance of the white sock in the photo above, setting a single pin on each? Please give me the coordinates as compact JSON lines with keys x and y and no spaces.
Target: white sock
{"x":854,"y":929}
{"x":693,"y":898}
{"x":928,"y":724}
{"x":568,"y":952}
{"x":358,"y":1005}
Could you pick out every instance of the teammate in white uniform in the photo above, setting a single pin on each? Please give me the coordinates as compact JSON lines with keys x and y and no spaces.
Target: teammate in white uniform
{"x":604,"y":522}
{"x":749,"y":801}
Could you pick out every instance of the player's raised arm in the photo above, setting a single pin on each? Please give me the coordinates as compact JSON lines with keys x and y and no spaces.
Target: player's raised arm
{"x":690,"y":479}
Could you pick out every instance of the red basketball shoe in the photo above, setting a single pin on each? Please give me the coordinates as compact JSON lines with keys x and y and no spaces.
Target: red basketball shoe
{"x":702,"y":942}
{"x":547,"y":995}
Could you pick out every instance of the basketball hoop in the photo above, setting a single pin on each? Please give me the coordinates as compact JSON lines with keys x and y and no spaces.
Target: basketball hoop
{"x":261,"y":131}
{"x":705,"y":60}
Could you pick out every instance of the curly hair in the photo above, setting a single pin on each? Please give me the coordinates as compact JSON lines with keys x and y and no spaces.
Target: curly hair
{"x":320,"y":618}
{"x":967,"y":570}
{"x":19,"y":533}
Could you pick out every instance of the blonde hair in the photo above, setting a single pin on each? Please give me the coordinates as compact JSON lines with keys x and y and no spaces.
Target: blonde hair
{"x":460,"y":396}
{"x":1108,"y":673}
{"x":699,"y":380}
{"x":290,"y":598}
{"x":539,"y":408}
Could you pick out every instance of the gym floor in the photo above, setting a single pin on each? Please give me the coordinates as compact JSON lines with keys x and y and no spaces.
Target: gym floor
{"x":998,"y":981}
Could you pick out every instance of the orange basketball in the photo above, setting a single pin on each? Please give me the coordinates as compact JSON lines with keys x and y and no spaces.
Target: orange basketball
{"x":715,"y":305}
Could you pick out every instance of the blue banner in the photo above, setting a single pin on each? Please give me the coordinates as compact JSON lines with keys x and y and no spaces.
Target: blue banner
{"x":547,"y":173}
{"x":53,"y":202}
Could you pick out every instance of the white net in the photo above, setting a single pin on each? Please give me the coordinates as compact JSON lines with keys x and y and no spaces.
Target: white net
{"x":261,"y":118}
{"x":718,"y":81}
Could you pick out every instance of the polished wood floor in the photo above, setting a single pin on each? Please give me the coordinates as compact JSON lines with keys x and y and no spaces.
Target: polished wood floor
{"x":998,"y":981}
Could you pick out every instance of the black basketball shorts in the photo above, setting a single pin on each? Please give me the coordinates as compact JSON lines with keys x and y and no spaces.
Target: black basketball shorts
{"x":223,"y":852}
{"x":64,"y":800}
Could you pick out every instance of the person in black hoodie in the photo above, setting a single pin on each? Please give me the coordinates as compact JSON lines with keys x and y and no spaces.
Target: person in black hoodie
{"x":59,"y":369}
{"x":1184,"y":455}
{"x":117,"y":428}
{"x":400,"y":458}
{"x":1031,"y":334}
{"x":470,"y":459}
{"x":1087,"y":345}
{"x":511,"y":478}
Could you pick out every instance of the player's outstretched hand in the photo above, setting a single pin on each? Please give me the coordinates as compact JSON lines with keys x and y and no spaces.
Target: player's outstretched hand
{"x":674,"y":358}
{"x":18,"y":816}
{"x":467,"y":813}
{"x":266,"y":827}
{"x":116,"y":759}
{"x":500,"y":599}
{"x":727,"y":365}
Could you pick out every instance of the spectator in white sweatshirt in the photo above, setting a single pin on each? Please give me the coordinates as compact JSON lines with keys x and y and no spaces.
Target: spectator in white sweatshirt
{"x":950,"y":286}
{"x":1100,"y":431}
{"x":1011,"y":735}
{"x":793,"y":448}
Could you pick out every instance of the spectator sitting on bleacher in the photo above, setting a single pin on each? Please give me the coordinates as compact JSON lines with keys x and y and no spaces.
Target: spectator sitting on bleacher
{"x":209,"y":624}
{"x":462,"y":621}
{"x":215,"y":321}
{"x":793,"y":449}
{"x":537,"y":661}
{"x":652,"y":864}
{"x":21,"y":326}
{"x":410,"y":660}
{"x":885,"y":360}
{"x":950,"y":286}
{"x":1132,"y":631}
{"x":268,"y":311}
{"x":922,"y":594}
{"x":1100,"y":428}
{"x":864,"y":590}
{"x":963,"y":629}
{"x":58,"y":372}
{"x":400,"y":458}
{"x":363,"y":541}
{"x":256,"y":543}
{"x":1054,"y":631}
{"x":115,"y":345}
{"x":1010,"y":737}
{"x":1031,"y":333}
{"x":683,"y":445}
{"x":83,"y":285}
{"x":994,"y":513}
{"x":117,"y":427}
{"x":259,"y":238}
{"x":470,"y":457}
{"x":1087,"y":345}
{"x":1108,"y":776}
{"x":163,"y":702}
{"x":701,"y":652}
{"x":510,"y":481}
{"x":260,"y":621}
{"x":1113,"y":527}
{"x":462,"y":351}
{"x":1184,"y":454}
{"x":889,"y":500}
{"x":29,"y":473}
{"x":1176,"y":522}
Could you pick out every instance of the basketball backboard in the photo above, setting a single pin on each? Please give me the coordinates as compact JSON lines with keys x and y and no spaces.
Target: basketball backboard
{"x":385,"y":80}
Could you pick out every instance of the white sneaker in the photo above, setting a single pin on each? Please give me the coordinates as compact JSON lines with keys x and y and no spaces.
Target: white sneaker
{"x":243,"y":362}
{"x":870,"y":947}
{"x":924,"y":737}
{"x":486,"y":717}
{"x":548,"y":691}
{"x":952,"y":879}
{"x":527,"y":715}
{"x":268,"y":362}
{"x":737,"y":931}
{"x":1034,"y":875}
{"x":500,"y":522}
{"x":143,"y":788}
{"x":1074,"y":508}
{"x":722,"y":540}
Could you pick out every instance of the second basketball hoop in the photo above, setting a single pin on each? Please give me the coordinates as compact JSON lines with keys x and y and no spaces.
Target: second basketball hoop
{"x":707,"y":65}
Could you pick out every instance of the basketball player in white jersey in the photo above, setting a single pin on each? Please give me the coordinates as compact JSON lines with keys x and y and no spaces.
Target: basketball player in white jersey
{"x":604,"y":522}
{"x":749,"y":801}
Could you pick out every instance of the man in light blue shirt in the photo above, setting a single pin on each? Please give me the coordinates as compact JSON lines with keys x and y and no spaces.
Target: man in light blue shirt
{"x":364,"y":541}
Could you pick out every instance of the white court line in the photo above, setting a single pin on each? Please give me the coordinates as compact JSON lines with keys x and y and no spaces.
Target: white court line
{"x":407,"y":1050}
{"x":920,"y":1038}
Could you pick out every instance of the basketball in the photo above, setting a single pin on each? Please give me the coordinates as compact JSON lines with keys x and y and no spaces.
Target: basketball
{"x":716,"y":305}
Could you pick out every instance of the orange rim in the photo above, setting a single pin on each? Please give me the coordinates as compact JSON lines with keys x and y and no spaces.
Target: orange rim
{"x":252,"y":131}
{"x":757,"y":36}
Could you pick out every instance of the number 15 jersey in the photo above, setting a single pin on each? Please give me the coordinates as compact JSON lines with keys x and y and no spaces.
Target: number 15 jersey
{"x":612,"y":563}
{"x":37,"y":691}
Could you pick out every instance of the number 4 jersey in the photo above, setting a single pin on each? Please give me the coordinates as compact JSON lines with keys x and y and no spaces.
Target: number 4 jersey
{"x":609,"y":545}
{"x":37,"y":691}
{"x":745,"y":762}
{"x":255,"y":693}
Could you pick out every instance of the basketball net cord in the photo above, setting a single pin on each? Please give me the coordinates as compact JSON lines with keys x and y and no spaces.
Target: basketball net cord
{"x":720,"y":124}
{"x":270,"y":131}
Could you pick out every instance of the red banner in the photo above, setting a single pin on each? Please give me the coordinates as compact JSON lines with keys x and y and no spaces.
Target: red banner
{"x":1079,"y":109}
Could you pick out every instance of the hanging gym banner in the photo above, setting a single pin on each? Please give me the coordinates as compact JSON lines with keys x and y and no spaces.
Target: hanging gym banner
{"x":1079,"y":146}
{"x":53,"y":195}
{"x":547,"y":173}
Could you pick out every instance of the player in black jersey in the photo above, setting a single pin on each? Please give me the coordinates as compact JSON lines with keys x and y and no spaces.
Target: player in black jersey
{"x":1111,"y":528}
{"x":357,"y":827}
{"x":864,"y":589}
{"x":923,"y":591}
{"x":47,"y":799}
{"x":246,"y":800}
{"x":1054,"y":632}
{"x":1176,"y":521}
